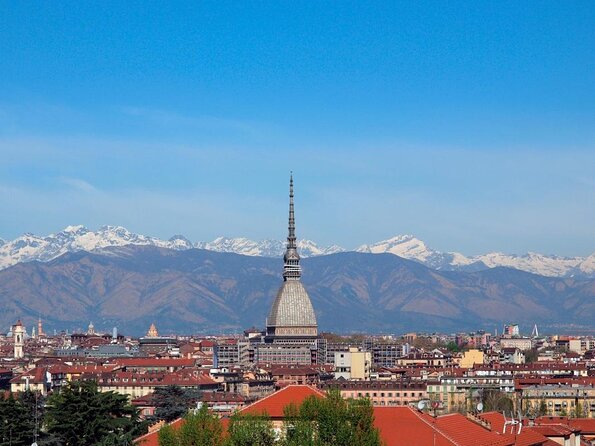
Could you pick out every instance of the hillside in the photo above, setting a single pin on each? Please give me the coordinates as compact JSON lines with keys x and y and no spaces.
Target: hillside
{"x":196,"y":290}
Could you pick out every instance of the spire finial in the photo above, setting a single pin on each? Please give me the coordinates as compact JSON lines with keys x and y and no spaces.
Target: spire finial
{"x":291,"y":268}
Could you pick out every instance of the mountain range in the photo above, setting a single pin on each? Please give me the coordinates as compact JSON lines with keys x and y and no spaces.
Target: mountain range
{"x":31,"y":247}
{"x":201,"y":291}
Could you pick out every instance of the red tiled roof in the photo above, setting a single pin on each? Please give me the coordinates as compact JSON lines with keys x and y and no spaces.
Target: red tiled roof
{"x":586,"y":425}
{"x":527,"y":436}
{"x":466,"y":432}
{"x":552,"y":430}
{"x":155,"y":362}
{"x":496,"y":420}
{"x":293,"y":371}
{"x":403,"y":426}
{"x":36,"y":376}
{"x":152,"y":438}
{"x":530,"y":437}
{"x":79,"y":369}
{"x":274,"y":403}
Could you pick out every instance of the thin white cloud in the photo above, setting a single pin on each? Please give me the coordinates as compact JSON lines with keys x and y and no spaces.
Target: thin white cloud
{"x":78,"y":184}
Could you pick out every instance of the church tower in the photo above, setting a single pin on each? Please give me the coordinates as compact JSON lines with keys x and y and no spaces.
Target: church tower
{"x":291,"y":328}
{"x":18,"y":333}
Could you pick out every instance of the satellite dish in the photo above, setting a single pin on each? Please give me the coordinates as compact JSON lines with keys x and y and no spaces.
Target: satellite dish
{"x":421,"y":405}
{"x":479,"y":407}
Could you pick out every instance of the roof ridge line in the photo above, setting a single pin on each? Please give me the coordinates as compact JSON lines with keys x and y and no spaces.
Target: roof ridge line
{"x":280,"y":390}
{"x":435,"y":427}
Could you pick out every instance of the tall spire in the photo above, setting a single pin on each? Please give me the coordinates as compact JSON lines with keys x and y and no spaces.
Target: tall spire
{"x":291,"y":268}
{"x":291,"y":235}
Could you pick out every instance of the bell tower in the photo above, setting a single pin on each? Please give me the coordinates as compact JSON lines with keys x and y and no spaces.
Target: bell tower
{"x":18,"y":334}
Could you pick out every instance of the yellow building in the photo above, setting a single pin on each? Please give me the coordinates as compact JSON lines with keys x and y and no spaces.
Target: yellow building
{"x":471,"y":357}
{"x":353,"y":364}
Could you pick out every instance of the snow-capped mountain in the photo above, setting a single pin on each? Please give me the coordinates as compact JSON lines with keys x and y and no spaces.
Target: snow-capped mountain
{"x":265,"y":248}
{"x":409,"y":247}
{"x":31,"y":247}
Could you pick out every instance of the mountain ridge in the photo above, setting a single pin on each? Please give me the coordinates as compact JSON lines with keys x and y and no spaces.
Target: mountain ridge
{"x":31,"y":247}
{"x":198,"y":290}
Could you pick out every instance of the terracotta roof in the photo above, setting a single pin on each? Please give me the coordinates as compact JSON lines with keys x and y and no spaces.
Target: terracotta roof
{"x":152,"y":438}
{"x":468,"y":433}
{"x":155,"y":362}
{"x":36,"y":376}
{"x":294,"y":371}
{"x":403,"y":426}
{"x":552,"y":430}
{"x":496,"y":420}
{"x":530,"y":437}
{"x":274,"y":403}
{"x":79,"y":369}
{"x":586,"y":425}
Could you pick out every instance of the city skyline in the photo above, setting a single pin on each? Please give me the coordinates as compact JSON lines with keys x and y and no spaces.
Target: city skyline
{"x":471,"y":129}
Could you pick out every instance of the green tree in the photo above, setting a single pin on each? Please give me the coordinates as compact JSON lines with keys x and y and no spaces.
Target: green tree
{"x":299,"y":430}
{"x":453,"y":347}
{"x":495,"y":400}
{"x":168,"y":436}
{"x":542,"y":410}
{"x":80,"y":415}
{"x":16,"y":424}
{"x":200,"y":428}
{"x":577,"y":411}
{"x":331,"y":421}
{"x":250,"y":430}
{"x":172,"y":402}
{"x":531,"y":355}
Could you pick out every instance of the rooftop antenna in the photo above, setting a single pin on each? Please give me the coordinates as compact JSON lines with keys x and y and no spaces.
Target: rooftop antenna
{"x":512,"y":423}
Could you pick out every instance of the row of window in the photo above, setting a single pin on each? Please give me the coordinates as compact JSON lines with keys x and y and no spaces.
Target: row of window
{"x":386,"y":394}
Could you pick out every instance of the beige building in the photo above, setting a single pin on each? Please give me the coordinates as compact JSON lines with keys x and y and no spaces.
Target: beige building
{"x":471,"y":357}
{"x":34,"y":380}
{"x":559,"y":400}
{"x":447,"y":396}
{"x":520,"y":343}
{"x":353,"y":364}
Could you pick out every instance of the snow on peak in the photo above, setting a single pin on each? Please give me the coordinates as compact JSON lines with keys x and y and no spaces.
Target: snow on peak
{"x":265,"y":248}
{"x":29,"y":247}
{"x":74,"y":229}
{"x":407,"y":246}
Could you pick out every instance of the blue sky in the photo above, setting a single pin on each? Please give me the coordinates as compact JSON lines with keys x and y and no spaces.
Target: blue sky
{"x":470,"y":125}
